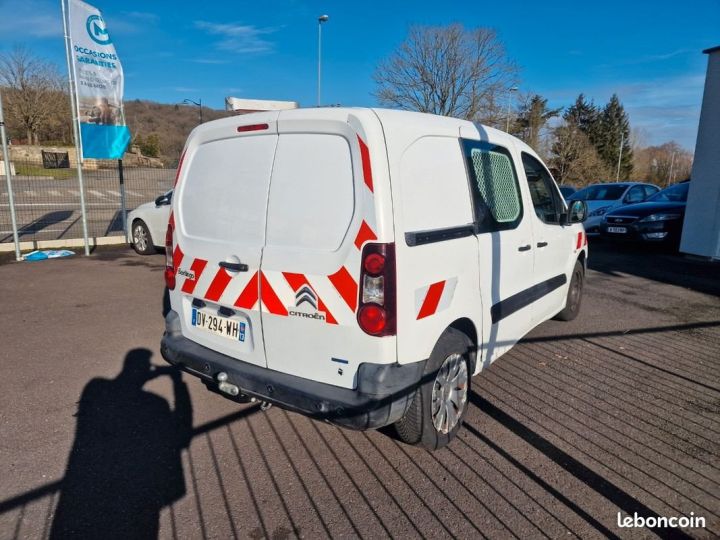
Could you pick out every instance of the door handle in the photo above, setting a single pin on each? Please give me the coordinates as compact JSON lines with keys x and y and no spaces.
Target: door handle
{"x":541,"y":244}
{"x":235,"y":267}
{"x":525,"y":248}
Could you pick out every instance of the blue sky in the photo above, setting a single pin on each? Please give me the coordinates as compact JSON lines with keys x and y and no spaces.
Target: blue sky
{"x":649,"y":53}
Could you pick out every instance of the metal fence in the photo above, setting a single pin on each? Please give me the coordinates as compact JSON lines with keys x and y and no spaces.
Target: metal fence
{"x":47,"y":199}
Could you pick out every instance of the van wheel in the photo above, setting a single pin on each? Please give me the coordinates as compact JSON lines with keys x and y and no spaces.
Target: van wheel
{"x":142,"y":241}
{"x":574,"y":294}
{"x":440,"y":402}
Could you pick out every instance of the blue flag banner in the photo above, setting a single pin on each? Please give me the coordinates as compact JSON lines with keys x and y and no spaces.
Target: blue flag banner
{"x":104,"y":142}
{"x":99,"y":84}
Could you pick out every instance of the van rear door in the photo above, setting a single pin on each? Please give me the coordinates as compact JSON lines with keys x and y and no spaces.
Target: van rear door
{"x":321,"y":212}
{"x":220,"y":211}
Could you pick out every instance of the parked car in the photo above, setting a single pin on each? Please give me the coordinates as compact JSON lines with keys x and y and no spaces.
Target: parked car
{"x":360,"y":265}
{"x":601,"y":198}
{"x":148,"y":224}
{"x":567,"y":190}
{"x":659,"y":219}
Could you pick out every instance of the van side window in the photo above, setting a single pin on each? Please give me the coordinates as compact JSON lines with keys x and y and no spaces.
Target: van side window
{"x":432,"y":170}
{"x":494,"y":183}
{"x":545,"y":196}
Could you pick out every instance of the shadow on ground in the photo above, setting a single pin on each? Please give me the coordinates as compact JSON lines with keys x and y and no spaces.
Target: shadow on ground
{"x":43,"y":222}
{"x":655,"y":263}
{"x":125,"y":463}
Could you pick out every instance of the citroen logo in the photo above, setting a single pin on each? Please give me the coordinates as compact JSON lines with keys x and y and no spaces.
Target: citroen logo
{"x":306,"y":294}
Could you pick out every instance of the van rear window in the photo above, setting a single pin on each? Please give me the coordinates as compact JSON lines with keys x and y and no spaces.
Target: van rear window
{"x":224,"y":193}
{"x":312,"y":197}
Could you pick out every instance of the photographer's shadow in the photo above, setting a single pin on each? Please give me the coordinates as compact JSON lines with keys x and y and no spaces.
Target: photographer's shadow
{"x":125,"y":464}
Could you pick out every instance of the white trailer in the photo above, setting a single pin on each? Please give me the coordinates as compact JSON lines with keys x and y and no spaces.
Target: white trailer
{"x":701,"y":229}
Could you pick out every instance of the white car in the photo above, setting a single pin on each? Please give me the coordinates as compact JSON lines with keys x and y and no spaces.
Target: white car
{"x":601,"y":198}
{"x":360,"y":265}
{"x":148,"y":224}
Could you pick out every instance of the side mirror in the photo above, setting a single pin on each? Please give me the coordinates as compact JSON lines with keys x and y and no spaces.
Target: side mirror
{"x":577,"y":213}
{"x":163,"y":200}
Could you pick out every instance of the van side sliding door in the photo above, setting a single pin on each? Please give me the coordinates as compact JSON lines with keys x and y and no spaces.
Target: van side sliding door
{"x":505,"y":245}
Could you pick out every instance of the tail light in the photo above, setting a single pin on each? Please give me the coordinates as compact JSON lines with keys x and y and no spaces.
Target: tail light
{"x":377,"y":311}
{"x":169,"y":264}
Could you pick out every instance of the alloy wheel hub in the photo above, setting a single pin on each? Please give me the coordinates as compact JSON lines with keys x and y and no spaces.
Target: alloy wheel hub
{"x":449,"y":394}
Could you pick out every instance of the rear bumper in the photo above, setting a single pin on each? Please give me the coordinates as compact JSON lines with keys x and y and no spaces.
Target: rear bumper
{"x":383,"y":394}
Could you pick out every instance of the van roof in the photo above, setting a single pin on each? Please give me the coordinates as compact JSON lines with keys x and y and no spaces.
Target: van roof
{"x":392,"y":120}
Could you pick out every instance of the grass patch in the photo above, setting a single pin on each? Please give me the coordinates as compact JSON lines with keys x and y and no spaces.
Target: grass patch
{"x":29,"y":169}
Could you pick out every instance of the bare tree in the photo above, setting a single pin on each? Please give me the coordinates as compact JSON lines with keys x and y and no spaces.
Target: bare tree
{"x":447,"y":70}
{"x":663,"y":165}
{"x":34,"y":93}
{"x":574,"y":158}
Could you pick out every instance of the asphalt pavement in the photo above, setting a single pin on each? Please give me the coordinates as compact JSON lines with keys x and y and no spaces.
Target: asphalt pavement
{"x":615,"y":413}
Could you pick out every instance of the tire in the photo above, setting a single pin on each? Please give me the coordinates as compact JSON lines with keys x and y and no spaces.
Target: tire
{"x":574,"y":294}
{"x":449,"y":359}
{"x":141,"y":240}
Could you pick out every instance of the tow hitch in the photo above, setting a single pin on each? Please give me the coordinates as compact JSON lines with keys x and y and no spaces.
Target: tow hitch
{"x":234,"y":391}
{"x":226,"y":387}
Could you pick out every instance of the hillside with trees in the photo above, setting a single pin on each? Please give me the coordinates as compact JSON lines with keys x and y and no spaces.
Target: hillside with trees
{"x":160,"y":130}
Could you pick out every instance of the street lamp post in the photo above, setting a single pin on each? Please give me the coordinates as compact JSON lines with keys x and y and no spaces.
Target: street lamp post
{"x":620,"y":152}
{"x":197,"y":103}
{"x":507,"y":116}
{"x":321,"y":20}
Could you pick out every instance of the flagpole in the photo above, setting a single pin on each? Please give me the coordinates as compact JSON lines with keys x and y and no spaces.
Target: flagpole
{"x":8,"y":178}
{"x":76,"y":126}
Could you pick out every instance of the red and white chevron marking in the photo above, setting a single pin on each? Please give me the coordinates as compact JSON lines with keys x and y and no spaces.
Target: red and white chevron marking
{"x":434,"y":298}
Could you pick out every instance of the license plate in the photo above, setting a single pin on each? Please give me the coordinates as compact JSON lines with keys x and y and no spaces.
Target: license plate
{"x":621,"y":230}
{"x":221,"y":326}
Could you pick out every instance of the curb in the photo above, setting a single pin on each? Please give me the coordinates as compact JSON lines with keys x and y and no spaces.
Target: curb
{"x":70,"y":242}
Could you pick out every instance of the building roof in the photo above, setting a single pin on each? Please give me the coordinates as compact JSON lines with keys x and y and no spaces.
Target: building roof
{"x":711,"y":50}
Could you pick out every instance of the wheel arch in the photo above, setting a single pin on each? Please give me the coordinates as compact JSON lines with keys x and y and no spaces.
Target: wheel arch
{"x":582,"y":258}
{"x":137,"y":219}
{"x":467,"y":327}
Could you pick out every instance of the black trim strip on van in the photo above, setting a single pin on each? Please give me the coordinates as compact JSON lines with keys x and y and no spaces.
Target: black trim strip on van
{"x":419,"y":238}
{"x":517,"y":301}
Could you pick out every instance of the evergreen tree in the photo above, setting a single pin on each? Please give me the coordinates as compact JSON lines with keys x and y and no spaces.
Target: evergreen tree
{"x":614,"y":132}
{"x":585,"y":116}
{"x":532,"y":118}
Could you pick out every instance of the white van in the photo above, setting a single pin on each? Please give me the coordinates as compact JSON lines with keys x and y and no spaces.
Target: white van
{"x":360,"y":265}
